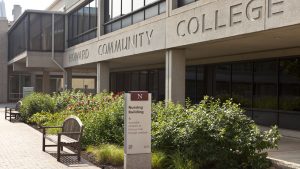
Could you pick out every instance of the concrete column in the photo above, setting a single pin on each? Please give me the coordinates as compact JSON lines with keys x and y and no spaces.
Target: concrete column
{"x":175,"y":76}
{"x":101,"y":17}
{"x":3,"y":60}
{"x":102,"y":77}
{"x":67,"y":79}
{"x":33,"y":81}
{"x":46,"y":82}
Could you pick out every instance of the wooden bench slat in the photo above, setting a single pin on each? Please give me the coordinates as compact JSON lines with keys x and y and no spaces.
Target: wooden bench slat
{"x":64,"y":139}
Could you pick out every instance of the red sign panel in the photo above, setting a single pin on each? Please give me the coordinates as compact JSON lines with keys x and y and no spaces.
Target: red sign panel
{"x":139,"y":96}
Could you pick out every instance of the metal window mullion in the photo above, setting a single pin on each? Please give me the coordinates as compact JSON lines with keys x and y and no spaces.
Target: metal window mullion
{"x":278,"y":86}
{"x":131,"y":11}
{"x":230,"y":83}
{"x":253,"y":91}
{"x":121,"y":26}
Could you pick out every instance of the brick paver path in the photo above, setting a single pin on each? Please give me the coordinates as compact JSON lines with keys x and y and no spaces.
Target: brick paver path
{"x":21,"y":148}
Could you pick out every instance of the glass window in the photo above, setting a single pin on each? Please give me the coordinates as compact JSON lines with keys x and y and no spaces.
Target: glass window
{"x":126,"y":21}
{"x":113,"y":82}
{"x":137,"y":4}
{"x":153,"y":84}
{"x":83,"y":24}
{"x":265,"y":85}
{"x":126,"y":6}
{"x":35,"y":31}
{"x":143,"y":81}
{"x":135,"y":81}
{"x":162,"y":7}
{"x":116,"y":25}
{"x":289,"y":93}
{"x":80,"y":21}
{"x":93,"y":14}
{"x":152,"y":81}
{"x":127,"y":81}
{"x":74,"y":24}
{"x":116,"y":9}
{"x":201,"y":84}
{"x":86,"y":19}
{"x":17,"y":39}
{"x":152,"y":11}
{"x":184,"y":2}
{"x":289,"y":90}
{"x":191,"y":83}
{"x":138,"y":17}
{"x":242,"y":83}
{"x":137,"y":10}
{"x":222,"y":81}
{"x":59,"y":32}
{"x":161,"y":85}
{"x":120,"y":82}
{"x":150,"y":1}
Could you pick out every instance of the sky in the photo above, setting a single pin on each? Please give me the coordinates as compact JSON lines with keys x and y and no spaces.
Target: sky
{"x":25,"y":4}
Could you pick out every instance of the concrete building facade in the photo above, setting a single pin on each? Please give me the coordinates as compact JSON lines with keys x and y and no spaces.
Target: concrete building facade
{"x":247,"y":50}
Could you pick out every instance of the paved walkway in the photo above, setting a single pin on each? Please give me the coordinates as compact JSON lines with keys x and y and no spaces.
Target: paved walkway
{"x":21,"y":148}
{"x":288,"y":152}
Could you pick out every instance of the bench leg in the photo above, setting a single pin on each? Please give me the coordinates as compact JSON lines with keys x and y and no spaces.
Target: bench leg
{"x":78,"y":152}
{"x":62,"y":148}
{"x":58,"y":149}
{"x":5,"y":113}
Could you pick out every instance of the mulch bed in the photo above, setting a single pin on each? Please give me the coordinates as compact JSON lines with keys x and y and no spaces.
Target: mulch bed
{"x":85,"y":155}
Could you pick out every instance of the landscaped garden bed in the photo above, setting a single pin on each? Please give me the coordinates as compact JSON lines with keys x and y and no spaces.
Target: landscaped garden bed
{"x":211,"y":134}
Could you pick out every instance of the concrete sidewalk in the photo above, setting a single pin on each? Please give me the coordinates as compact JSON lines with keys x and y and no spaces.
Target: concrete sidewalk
{"x":288,"y":153}
{"x":21,"y":148}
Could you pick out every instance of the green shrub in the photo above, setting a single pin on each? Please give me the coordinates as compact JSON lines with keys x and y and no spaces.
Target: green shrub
{"x":159,"y":160}
{"x":212,"y":135}
{"x":34,"y":103}
{"x":105,"y":125}
{"x":102,"y":116}
{"x":178,"y":161}
{"x":107,"y":154}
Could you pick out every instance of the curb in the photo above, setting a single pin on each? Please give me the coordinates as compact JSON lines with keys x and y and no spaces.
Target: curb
{"x":281,"y":164}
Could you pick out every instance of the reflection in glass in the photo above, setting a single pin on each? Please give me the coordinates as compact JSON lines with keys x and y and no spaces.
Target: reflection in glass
{"x":222,"y":81}
{"x":191,"y":83}
{"x":184,"y":2}
{"x":242,"y":83}
{"x":126,"y":7}
{"x":137,"y":4}
{"x":137,"y":10}
{"x":265,"y":85}
{"x":150,"y":1}
{"x":201,"y":84}
{"x":116,"y":9}
{"x":83,"y":24}
{"x":137,"y":17}
{"x":289,"y":90}
{"x":152,"y":11}
{"x":139,"y":80}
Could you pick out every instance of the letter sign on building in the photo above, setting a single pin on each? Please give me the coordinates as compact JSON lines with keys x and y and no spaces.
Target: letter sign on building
{"x":137,"y":123}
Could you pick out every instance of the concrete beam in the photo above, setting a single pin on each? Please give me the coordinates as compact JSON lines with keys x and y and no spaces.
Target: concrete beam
{"x":42,"y":60}
{"x":19,"y":67}
{"x":175,"y":76}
